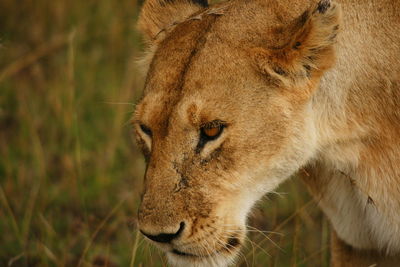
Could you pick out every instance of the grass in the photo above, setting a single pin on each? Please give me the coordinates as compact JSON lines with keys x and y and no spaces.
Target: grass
{"x":70,"y":173}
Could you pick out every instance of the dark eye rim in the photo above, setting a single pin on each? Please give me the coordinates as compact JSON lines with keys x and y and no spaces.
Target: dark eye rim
{"x":204,"y":138}
{"x":146,"y":130}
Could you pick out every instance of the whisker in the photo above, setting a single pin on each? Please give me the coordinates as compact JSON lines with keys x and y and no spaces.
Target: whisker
{"x":225,"y":246}
{"x":262,"y":231}
{"x":211,"y":258}
{"x":261,"y":248}
{"x":256,"y":231}
{"x":258,"y":246}
{"x":267,"y":237}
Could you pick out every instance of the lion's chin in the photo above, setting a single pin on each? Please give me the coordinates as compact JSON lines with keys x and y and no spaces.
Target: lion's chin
{"x":219,"y":260}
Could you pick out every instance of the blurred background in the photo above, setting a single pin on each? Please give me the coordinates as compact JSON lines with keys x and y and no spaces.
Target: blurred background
{"x":70,"y":173}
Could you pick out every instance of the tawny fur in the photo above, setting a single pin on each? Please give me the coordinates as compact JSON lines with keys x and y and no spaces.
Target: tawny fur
{"x":298,"y":85}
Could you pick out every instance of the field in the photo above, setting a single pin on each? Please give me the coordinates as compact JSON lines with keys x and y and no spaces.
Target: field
{"x":70,"y":172}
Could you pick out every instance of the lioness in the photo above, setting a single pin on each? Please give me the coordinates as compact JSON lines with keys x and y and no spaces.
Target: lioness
{"x":243,"y":94}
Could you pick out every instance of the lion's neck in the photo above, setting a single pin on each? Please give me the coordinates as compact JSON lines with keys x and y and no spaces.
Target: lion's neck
{"x":357,"y":121}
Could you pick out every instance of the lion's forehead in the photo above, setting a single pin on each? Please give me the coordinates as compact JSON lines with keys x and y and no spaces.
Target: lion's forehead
{"x":175,"y":54}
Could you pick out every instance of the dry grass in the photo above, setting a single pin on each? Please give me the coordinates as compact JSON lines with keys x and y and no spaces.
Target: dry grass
{"x":69,"y":171}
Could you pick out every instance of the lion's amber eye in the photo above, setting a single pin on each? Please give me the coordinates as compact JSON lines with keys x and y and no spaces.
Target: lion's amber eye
{"x":212,"y":132}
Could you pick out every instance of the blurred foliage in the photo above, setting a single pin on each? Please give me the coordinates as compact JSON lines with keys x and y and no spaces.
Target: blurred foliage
{"x":70,"y":173}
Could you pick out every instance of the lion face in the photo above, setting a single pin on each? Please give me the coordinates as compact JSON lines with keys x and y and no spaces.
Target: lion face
{"x":223,"y":120}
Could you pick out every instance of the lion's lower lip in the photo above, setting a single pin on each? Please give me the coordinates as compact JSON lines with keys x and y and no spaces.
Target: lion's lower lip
{"x":180,"y":253}
{"x":233,"y":242}
{"x":185,"y":254}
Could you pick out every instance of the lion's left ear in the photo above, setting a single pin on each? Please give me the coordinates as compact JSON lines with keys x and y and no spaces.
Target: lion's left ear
{"x":310,"y":50}
{"x":158,"y":15}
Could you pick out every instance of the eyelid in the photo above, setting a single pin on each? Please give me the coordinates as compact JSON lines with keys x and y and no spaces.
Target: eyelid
{"x":214,"y":123}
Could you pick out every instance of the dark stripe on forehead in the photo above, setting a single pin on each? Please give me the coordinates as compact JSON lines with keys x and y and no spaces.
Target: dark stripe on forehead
{"x":171,"y":63}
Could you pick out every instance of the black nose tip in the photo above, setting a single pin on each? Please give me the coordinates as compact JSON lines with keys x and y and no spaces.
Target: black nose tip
{"x":163,"y":237}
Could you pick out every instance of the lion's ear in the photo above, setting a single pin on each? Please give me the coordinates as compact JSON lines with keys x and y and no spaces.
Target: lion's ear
{"x":310,"y":50}
{"x":158,"y":15}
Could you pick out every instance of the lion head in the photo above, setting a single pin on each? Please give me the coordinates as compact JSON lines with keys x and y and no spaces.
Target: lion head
{"x":225,"y":116}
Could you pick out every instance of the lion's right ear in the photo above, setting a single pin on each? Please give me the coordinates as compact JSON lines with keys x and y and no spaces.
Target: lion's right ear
{"x":309,"y":50}
{"x":157,"y":15}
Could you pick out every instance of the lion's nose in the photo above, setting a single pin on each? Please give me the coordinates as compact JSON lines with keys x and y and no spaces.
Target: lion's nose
{"x":165,"y":237}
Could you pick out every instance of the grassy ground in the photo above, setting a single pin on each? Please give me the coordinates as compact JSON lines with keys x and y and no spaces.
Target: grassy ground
{"x":69,"y":170}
